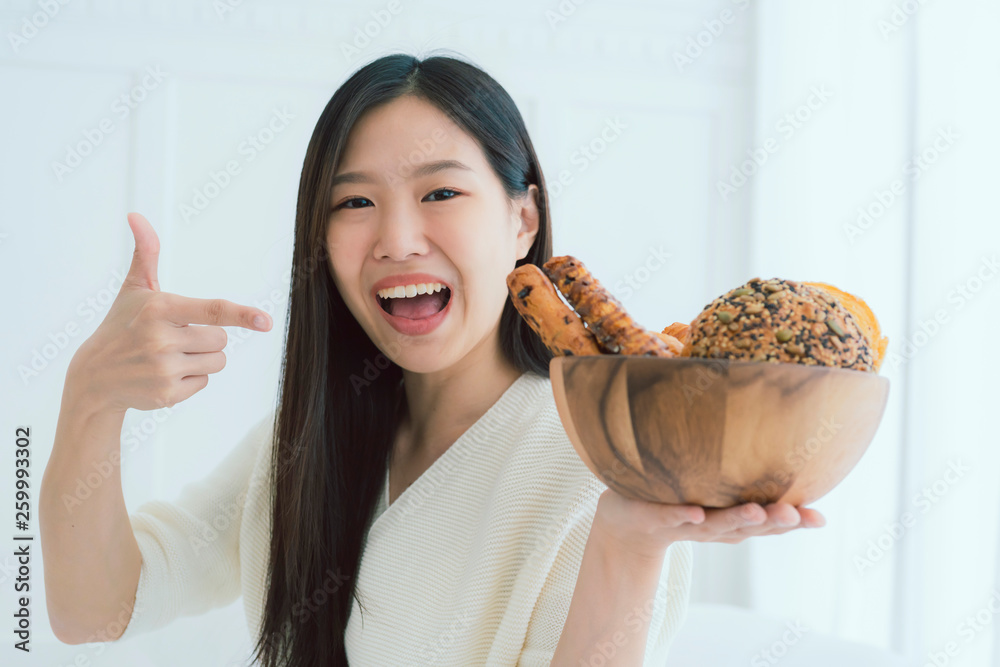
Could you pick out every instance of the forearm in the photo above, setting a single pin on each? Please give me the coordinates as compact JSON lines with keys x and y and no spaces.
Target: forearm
{"x":608,"y":615}
{"x":91,"y":558}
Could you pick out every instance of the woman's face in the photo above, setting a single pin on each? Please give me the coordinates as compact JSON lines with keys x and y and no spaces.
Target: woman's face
{"x":393,"y":215}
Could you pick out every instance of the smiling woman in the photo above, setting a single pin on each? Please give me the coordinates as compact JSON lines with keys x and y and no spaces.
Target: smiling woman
{"x":414,"y":497}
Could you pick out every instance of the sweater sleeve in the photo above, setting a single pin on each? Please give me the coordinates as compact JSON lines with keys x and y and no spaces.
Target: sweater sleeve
{"x":190,"y":547}
{"x":666,"y":609}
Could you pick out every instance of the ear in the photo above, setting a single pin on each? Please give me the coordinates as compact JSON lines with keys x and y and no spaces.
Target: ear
{"x":529,"y":222}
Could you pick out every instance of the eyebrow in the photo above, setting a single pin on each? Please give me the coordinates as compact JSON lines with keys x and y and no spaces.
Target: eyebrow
{"x":425,"y":169}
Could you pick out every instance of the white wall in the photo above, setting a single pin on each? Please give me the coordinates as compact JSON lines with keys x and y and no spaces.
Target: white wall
{"x":910,"y":551}
{"x":64,"y":236}
{"x":894,"y":80}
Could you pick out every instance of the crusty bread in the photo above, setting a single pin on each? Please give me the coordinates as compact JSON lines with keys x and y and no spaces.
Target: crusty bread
{"x":679,"y":331}
{"x":604,"y":315}
{"x":536,"y":299}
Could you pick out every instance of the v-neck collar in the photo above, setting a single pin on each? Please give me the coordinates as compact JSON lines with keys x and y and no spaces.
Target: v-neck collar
{"x":475,"y":433}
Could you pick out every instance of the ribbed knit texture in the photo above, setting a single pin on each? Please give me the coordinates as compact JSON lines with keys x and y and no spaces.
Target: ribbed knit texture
{"x":474,"y":564}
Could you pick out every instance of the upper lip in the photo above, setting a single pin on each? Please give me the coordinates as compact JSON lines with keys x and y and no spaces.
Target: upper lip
{"x":407,"y":279}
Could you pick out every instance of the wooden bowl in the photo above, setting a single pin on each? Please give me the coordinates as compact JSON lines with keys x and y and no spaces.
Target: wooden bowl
{"x":713,"y":432}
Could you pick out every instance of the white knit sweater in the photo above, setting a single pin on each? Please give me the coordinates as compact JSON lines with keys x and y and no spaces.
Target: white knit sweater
{"x":474,"y":564}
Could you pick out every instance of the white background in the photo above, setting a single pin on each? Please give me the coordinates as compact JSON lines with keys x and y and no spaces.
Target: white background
{"x":699,"y":87}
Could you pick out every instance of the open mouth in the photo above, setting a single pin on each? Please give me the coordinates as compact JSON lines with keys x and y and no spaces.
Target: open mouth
{"x":416,"y":307}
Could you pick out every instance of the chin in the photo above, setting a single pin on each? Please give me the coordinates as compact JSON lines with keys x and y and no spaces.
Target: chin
{"x":415,"y":362}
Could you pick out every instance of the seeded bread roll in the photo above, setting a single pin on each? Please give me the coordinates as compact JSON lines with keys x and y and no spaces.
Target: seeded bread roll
{"x":781,"y":321}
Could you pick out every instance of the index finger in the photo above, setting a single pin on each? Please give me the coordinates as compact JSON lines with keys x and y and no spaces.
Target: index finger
{"x":218,"y":312}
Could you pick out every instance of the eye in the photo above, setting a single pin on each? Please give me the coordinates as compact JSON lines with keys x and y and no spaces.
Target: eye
{"x":454,"y":192}
{"x":352,"y":199}
{"x":346,"y":203}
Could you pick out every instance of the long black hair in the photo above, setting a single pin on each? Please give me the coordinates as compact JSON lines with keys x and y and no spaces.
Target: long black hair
{"x":332,"y":441}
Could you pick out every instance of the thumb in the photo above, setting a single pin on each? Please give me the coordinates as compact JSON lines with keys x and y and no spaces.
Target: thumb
{"x":142,"y":272}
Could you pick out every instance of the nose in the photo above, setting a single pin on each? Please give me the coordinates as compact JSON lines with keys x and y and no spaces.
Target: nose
{"x":400,"y":234}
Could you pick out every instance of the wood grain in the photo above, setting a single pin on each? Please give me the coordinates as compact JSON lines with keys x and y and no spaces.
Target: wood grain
{"x":717,"y":433}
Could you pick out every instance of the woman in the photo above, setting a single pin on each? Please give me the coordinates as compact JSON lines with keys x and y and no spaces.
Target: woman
{"x":405,"y":364}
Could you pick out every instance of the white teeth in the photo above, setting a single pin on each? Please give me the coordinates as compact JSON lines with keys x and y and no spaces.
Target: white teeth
{"x":405,"y":291}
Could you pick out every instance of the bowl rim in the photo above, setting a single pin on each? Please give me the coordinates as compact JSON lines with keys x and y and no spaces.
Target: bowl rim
{"x":806,"y":368}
